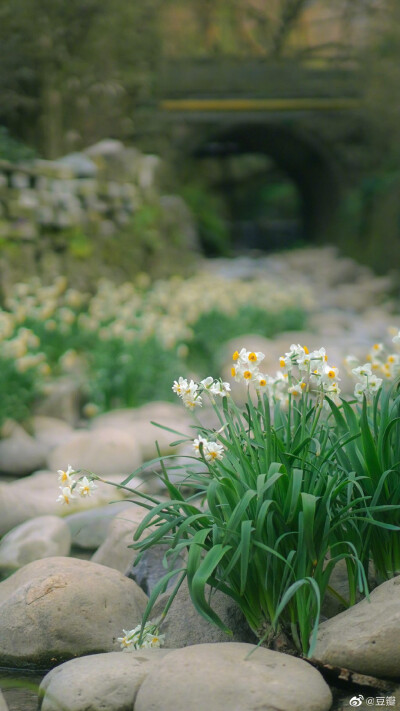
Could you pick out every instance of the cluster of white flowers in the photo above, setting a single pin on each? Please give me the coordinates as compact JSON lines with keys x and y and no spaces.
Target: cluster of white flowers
{"x":379,"y":363}
{"x":191,"y":392}
{"x":368,"y":383}
{"x":246,"y":366}
{"x":315,"y":375}
{"x":69,"y":486}
{"x":301,"y":371}
{"x":210,"y":450}
{"x":150,"y":638}
{"x":167,"y":309}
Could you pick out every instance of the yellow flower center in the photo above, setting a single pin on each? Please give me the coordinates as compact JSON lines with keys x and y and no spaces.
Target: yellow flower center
{"x":325,"y":358}
{"x":303,"y":385}
{"x":233,"y":371}
{"x":376,"y":346}
{"x":213,"y":455}
{"x":369,"y":357}
{"x":306,"y":350}
{"x":331,"y":374}
{"x":263,"y":382}
{"x":390,"y":359}
{"x":155,"y":640}
{"x":64,"y":476}
{"x":282,"y":362}
{"x":295,"y":393}
{"x":247,"y":375}
{"x":252,"y":357}
{"x":235,"y":355}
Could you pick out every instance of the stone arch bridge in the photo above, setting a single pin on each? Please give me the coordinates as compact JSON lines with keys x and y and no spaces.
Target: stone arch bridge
{"x":306,"y":116}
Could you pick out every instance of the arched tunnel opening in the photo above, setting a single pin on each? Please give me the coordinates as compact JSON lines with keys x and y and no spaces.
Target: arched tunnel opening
{"x":279,"y":188}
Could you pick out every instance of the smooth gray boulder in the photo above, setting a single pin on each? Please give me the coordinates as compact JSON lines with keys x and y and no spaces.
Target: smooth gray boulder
{"x":59,"y":608}
{"x":114,"y":551}
{"x":40,"y":537}
{"x":103,"y":451}
{"x":80,"y":164}
{"x":136,"y":422}
{"x":89,"y":529}
{"x":63,"y":398}
{"x":50,"y":431}
{"x":3,"y":705}
{"x":20,"y":453}
{"x":365,"y":638}
{"x":114,"y":680}
{"x":216,"y":677}
{"x":184,"y":626}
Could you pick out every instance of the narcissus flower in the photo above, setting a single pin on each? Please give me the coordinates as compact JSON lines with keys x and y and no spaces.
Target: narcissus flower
{"x":66,"y":495}
{"x":66,"y":478}
{"x":150,"y":638}
{"x":211,"y":450}
{"x":180,"y":386}
{"x":368,"y":387}
{"x":363,"y":371}
{"x":199,"y":441}
{"x":85,"y":486}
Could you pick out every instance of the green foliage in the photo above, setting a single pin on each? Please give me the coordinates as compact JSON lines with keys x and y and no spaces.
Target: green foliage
{"x":148,"y":243}
{"x":373,"y":455}
{"x":203,"y":350}
{"x":12,"y":150}
{"x":295,"y":492}
{"x":369,"y":212}
{"x":130,"y":376}
{"x":18,"y":391}
{"x":209,"y":212}
{"x":79,"y":244}
{"x":70,"y":73}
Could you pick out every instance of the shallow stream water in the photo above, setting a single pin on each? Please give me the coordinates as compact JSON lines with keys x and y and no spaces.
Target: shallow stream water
{"x":20,"y":690}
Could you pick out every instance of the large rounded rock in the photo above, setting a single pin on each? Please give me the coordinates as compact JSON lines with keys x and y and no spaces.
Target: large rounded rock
{"x":114,"y":551}
{"x":137,"y":423}
{"x":63,"y":399}
{"x":36,"y":495}
{"x":184,"y":626}
{"x":115,"y":679}
{"x":50,"y":431}
{"x":104,"y":451}
{"x":41,"y":537}
{"x":58,"y":608}
{"x":217,"y":677}
{"x":3,"y":705}
{"x":365,"y":638}
{"x":19,"y":452}
{"x":89,"y":529}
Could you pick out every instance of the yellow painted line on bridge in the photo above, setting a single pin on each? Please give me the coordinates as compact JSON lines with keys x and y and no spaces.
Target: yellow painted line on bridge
{"x":259,"y":104}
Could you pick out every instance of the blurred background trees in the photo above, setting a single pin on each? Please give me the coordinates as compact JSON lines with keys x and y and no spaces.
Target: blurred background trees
{"x":70,"y":72}
{"x":73,"y":72}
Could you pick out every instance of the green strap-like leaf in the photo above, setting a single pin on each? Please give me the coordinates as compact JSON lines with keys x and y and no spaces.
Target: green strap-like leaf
{"x":199,"y":581}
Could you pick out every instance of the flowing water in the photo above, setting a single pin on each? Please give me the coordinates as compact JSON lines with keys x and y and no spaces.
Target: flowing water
{"x":20,"y":690}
